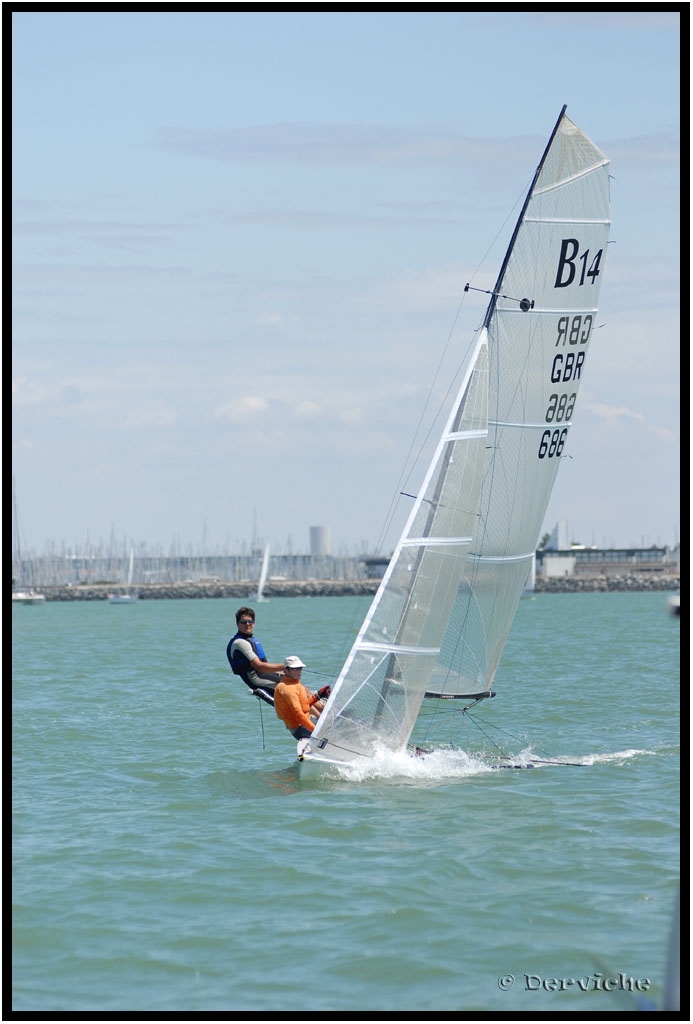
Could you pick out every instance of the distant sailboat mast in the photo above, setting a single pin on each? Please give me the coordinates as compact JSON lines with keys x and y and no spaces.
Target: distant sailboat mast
{"x":20,"y":595}
{"x":17,"y":542}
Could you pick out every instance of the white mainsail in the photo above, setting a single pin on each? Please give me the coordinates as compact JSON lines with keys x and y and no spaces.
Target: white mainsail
{"x":441,"y":617}
{"x":264,"y":569}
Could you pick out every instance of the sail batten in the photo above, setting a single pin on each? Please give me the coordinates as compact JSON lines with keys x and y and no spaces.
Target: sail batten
{"x":460,"y":435}
{"x":566,"y":220}
{"x":430,"y":542}
{"x":399,"y":649}
{"x":443,"y":611}
{"x":573,"y":177}
{"x":526,"y":426}
{"x":526,"y":556}
{"x":553,"y":310}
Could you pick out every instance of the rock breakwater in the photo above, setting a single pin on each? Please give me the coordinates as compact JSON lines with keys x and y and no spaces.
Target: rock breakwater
{"x":243,"y":591}
{"x":587,"y":584}
{"x":238,"y":591}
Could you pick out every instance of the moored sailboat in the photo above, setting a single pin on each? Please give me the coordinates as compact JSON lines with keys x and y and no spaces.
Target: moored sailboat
{"x":28,"y":597}
{"x":264,"y":569}
{"x":129,"y":596}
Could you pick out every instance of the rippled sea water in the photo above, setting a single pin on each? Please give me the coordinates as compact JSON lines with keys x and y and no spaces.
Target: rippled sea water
{"x":168,"y":855}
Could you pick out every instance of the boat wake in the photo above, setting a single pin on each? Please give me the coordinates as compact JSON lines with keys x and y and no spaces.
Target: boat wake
{"x":528,"y":758}
{"x":432,"y":766}
{"x":619,"y":756}
{"x":452,"y":763}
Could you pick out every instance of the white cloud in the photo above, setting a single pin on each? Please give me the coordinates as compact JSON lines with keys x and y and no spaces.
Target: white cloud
{"x":307,"y":410}
{"x":242,"y":409}
{"x":28,"y":392}
{"x":664,"y":433}
{"x":376,"y":145}
{"x":615,"y":417}
{"x":613,"y":414}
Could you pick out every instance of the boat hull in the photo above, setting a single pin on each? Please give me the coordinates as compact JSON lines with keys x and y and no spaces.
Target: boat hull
{"x":24,"y":597}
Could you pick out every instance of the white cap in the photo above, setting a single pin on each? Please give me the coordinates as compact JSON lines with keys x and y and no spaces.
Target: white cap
{"x":293,"y":662}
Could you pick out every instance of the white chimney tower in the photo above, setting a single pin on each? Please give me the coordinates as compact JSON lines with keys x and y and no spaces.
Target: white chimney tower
{"x":320,"y":540}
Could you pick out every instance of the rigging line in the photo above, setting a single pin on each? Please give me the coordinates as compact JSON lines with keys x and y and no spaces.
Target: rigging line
{"x":510,"y":214}
{"x":323,"y":675}
{"x":449,"y":711}
{"x":519,"y":739}
{"x":357,"y":617}
{"x":405,"y":473}
{"x":498,"y":728}
{"x":262,"y":725}
{"x":474,"y":722}
{"x":525,"y":304}
{"x":441,"y":406}
{"x":435,"y":713}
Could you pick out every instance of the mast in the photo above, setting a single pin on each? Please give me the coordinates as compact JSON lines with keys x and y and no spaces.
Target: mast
{"x":504,"y":265}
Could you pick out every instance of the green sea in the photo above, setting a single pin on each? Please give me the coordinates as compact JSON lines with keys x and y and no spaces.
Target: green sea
{"x":168,"y":855}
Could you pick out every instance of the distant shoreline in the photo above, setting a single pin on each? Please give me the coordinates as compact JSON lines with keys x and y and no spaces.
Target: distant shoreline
{"x":244,"y":591}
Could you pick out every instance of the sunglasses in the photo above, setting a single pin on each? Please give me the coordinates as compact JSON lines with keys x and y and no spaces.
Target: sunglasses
{"x":246,"y":622}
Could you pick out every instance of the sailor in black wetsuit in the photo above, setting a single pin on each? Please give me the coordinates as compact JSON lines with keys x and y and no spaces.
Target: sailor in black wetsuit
{"x":248,"y":660}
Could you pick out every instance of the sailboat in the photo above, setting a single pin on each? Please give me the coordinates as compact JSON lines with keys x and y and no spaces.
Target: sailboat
{"x":264,"y":569}
{"x":129,"y":596}
{"x":439,"y":621}
{"x":28,"y":597}
{"x":22,"y":595}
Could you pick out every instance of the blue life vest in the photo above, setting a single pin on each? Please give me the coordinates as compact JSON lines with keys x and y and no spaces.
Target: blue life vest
{"x":237,"y":660}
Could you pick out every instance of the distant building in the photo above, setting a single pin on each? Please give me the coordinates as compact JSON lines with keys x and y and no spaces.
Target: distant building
{"x":375,"y":567}
{"x":320,"y":540}
{"x":561,"y":556}
{"x":550,"y":564}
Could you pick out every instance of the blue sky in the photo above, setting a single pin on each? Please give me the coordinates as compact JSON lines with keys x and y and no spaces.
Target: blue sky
{"x":240,"y":241}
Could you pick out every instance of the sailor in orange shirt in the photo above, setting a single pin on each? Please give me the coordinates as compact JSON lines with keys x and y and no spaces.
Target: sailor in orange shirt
{"x":293,"y":703}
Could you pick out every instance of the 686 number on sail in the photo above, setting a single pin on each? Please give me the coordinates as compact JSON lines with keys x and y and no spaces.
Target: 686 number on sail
{"x":552,"y":443}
